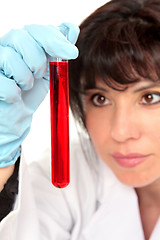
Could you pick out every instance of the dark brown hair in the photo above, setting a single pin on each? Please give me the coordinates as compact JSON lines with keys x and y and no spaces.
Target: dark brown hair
{"x":120,"y":43}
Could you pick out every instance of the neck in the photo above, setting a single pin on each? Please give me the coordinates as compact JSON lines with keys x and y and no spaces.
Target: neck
{"x":149,"y":206}
{"x":150,"y":194}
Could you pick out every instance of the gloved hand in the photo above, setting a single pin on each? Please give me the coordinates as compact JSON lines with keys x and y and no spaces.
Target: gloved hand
{"x":24,"y":75}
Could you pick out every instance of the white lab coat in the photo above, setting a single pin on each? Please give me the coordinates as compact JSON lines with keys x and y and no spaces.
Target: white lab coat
{"x":95,"y":206}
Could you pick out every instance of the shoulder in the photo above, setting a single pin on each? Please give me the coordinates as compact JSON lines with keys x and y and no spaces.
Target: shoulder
{"x":79,"y":197}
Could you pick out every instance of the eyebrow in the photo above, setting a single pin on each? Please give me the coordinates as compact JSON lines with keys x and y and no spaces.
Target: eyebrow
{"x":146,"y":87}
{"x":96,"y":88}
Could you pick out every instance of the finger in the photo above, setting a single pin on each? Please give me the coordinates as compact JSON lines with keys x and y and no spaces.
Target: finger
{"x":73,"y":31}
{"x":9,"y":90}
{"x":32,"y":54}
{"x":12,"y":66}
{"x":35,"y":96}
{"x":53,"y":41}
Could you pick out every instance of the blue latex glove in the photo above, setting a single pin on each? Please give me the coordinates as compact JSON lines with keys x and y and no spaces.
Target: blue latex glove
{"x":24,"y":79}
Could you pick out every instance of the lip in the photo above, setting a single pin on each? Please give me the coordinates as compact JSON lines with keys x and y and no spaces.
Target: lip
{"x":130,"y":160}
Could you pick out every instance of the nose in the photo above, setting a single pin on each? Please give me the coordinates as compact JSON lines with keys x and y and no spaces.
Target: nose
{"x":124,"y":125}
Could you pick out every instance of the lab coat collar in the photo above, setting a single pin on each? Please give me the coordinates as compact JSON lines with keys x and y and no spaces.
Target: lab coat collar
{"x":121,"y":202}
{"x":117,"y":215}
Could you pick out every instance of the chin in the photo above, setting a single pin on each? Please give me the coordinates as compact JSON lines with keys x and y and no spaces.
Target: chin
{"x":136,"y":181}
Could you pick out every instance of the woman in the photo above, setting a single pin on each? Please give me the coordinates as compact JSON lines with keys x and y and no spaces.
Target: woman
{"x":118,"y":73}
{"x":115,"y":94}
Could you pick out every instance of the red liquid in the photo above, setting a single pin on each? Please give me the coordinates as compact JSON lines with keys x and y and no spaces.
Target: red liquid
{"x":59,"y":108}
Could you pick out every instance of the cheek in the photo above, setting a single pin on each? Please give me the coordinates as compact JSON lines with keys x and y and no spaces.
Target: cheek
{"x":93,"y":126}
{"x":151,"y":130}
{"x":97,"y":126}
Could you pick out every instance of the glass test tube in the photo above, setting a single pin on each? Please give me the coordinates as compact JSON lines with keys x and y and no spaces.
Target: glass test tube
{"x":59,"y":109}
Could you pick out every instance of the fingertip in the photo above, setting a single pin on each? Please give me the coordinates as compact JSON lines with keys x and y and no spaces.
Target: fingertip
{"x":75,"y":53}
{"x":73,"y":31}
{"x":28,"y":83}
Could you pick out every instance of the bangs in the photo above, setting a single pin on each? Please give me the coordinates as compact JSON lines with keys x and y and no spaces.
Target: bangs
{"x":121,"y":58}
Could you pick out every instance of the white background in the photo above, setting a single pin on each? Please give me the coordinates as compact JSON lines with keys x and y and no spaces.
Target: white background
{"x":16,"y":14}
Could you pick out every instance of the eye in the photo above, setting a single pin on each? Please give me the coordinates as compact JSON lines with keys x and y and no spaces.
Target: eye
{"x":99,"y":100}
{"x":150,"y":98}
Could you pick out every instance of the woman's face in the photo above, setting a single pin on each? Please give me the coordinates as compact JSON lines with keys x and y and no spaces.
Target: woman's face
{"x":125,"y":130}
